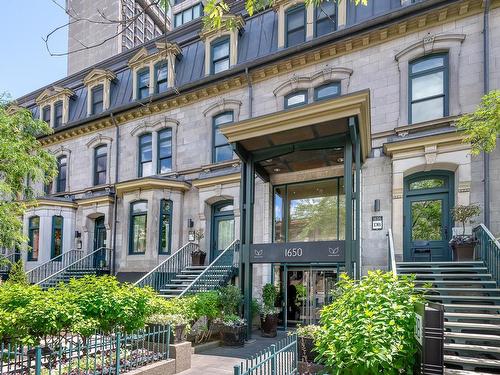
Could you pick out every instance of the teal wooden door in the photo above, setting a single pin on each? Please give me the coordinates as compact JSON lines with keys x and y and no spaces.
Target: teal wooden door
{"x":222,"y":228}
{"x":427,"y":220}
{"x":99,"y":242}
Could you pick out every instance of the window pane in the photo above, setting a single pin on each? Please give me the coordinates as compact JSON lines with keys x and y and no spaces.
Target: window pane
{"x":296,"y":37}
{"x":57,"y":236}
{"x":427,"y":64}
{"x":146,"y":169}
{"x":100,"y":151}
{"x":327,"y":91}
{"x":219,"y":138}
{"x":101,"y":163}
{"x":143,"y":79}
{"x":187,"y":15}
{"x":313,"y":209}
{"x":426,"y":220}
{"x":295,"y":19}
{"x":427,"y":110}
{"x":178,"y":19}
{"x":146,"y":152}
{"x":139,"y":207}
{"x":139,"y":233}
{"x":220,"y":50}
{"x":220,"y":66}
{"x":223,"y":153}
{"x":46,"y":114}
{"x":165,"y":143}
{"x":326,"y":10}
{"x":430,"y":183}
{"x":165,"y":226}
{"x":197,"y":11}
{"x":97,"y":94}
{"x":165,"y":165}
{"x":296,"y":99}
{"x":223,"y":118}
{"x":428,"y":85}
{"x":324,"y":27}
{"x":100,"y":178}
{"x":279,"y":229}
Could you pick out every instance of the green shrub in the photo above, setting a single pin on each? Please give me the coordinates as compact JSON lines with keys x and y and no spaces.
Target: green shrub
{"x":14,"y":296}
{"x":230,"y":298}
{"x":207,"y":304}
{"x":368,"y":329}
{"x":17,"y":274}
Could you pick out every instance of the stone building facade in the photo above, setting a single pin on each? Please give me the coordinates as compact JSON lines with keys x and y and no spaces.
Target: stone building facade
{"x":161,"y":136}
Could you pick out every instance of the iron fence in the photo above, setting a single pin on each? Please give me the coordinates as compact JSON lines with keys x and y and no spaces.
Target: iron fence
{"x":168,"y":269}
{"x":278,"y":359}
{"x":487,"y":249}
{"x":110,"y":354}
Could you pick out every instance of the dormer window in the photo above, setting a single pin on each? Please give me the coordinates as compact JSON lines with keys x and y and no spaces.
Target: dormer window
{"x":46,"y":114}
{"x":187,"y":15}
{"x":296,"y":99}
{"x":143,"y":83}
{"x":161,"y":77}
{"x":97,"y":99}
{"x":220,"y":55}
{"x":58,"y":114}
{"x":295,"y":25}
{"x":326,"y":18}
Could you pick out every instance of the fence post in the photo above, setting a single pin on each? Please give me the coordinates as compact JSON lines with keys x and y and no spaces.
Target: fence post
{"x":38,"y":360}
{"x":273,"y":359}
{"x":118,"y":345}
{"x":237,"y":370}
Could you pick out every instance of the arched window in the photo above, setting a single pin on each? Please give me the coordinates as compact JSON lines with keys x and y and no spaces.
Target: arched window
{"x":165,"y":226}
{"x":33,"y":238}
{"x":222,"y":150}
{"x":295,"y":26}
{"x":57,"y":237}
{"x":428,"y":88}
{"x":145,"y":155}
{"x":164,"y":164}
{"x":327,"y":91}
{"x":296,"y":99}
{"x":138,"y":227}
{"x":62,"y":173}
{"x":100,"y":164}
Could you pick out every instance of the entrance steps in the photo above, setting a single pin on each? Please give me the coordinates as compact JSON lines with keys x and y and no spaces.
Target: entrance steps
{"x":471,"y":300}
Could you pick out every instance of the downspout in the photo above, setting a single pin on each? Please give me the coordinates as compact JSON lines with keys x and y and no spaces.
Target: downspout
{"x":250,"y":94}
{"x":486,"y":86}
{"x":115,"y":206}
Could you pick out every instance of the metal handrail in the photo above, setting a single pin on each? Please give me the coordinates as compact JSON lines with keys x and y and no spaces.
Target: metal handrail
{"x":166,"y":270}
{"x":81,"y":262}
{"x":233,"y":245}
{"x":53,"y":265}
{"x":392,"y":254}
{"x":487,"y":249}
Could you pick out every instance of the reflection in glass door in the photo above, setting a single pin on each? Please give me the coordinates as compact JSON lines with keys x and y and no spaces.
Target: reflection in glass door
{"x":308,"y":290}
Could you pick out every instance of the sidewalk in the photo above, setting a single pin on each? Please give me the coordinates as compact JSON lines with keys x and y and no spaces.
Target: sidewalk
{"x":221,"y":360}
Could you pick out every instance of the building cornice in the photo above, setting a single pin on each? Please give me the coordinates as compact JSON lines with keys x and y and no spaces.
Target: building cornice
{"x":42,"y":202}
{"x":418,"y":143}
{"x":105,"y":199}
{"x":149,"y":183}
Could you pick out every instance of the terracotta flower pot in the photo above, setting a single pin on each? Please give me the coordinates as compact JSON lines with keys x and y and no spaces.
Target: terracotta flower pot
{"x":198,"y":258}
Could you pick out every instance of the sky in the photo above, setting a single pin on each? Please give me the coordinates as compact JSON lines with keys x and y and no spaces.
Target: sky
{"x":25,"y":63}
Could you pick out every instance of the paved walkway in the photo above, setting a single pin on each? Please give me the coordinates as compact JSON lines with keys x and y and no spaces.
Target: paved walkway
{"x":221,"y":360}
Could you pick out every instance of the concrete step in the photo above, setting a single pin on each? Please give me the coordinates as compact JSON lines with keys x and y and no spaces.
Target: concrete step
{"x":449,"y":371}
{"x":472,"y":326}
{"x":471,"y":263}
{"x":486,"y":283}
{"x":471,"y":307}
{"x":464,"y":290}
{"x":460,"y":336}
{"x":441,"y":270}
{"x":493,"y":299}
{"x":472,"y":362}
{"x":171,"y":291}
{"x":471,"y":316}
{"x":472,"y":348}
{"x":461,"y":276}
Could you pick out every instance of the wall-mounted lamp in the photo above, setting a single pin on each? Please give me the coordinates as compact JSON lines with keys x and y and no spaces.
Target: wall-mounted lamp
{"x":190,"y":223}
{"x":376,"y":205}
{"x":79,"y":244}
{"x":77,"y":234}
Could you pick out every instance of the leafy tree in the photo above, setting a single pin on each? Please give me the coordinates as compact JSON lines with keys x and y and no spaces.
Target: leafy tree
{"x":22,"y":158}
{"x":368,"y":329}
{"x":482,"y":127}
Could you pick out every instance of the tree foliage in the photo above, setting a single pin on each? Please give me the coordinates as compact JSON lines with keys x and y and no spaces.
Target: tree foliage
{"x":22,"y":158}
{"x":482,"y":127}
{"x":368,"y":329}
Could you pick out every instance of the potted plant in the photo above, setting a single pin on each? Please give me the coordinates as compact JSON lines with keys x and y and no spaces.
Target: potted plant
{"x":269,"y":312}
{"x":198,"y":256}
{"x":306,"y":336}
{"x":178,"y":323}
{"x":232,"y":327}
{"x":463,"y":244}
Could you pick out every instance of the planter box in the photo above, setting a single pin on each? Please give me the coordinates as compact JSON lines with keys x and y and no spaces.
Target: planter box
{"x":233,"y":336}
{"x":177,"y":333}
{"x":269,"y":325}
{"x":463,"y":252}
{"x":198,"y":258}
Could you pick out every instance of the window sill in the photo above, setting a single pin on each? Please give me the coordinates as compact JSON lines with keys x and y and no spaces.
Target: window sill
{"x":447,"y":121}
{"x":220,"y":165}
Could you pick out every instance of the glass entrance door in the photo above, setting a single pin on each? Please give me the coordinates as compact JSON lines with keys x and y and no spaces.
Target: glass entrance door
{"x":99,"y":242}
{"x":308,"y":290}
{"x":222,"y":228}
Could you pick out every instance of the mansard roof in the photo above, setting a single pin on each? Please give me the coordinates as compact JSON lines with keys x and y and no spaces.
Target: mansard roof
{"x":257,"y":45}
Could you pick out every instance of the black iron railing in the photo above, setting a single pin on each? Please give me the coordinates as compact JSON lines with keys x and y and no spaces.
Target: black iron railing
{"x":487,"y":249}
{"x":54,"y":265}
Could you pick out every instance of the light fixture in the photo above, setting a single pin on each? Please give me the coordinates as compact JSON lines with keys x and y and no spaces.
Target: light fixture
{"x":376,"y":205}
{"x":276,"y":170}
{"x":340,"y":160}
{"x":337,"y":148}
{"x":190,"y":223}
